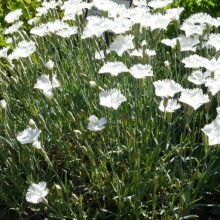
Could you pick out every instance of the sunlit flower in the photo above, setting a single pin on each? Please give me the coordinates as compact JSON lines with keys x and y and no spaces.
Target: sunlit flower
{"x":112,"y":98}
{"x":40,"y":30}
{"x":33,"y":20}
{"x":188,"y":43}
{"x":140,"y":3}
{"x":13,"y":16}
{"x":171,"y":106}
{"x":195,"y":61}
{"x":167,"y":88}
{"x":46,"y":85}
{"x":213,"y":85}
{"x":196,"y":24}
{"x":41,"y":11}
{"x":29,"y":135}
{"x":170,"y":42}
{"x":150,"y":53}
{"x":24,"y":49}
{"x":140,"y":71}
{"x":198,"y":77}
{"x":13,"y":28}
{"x":122,"y":44}
{"x":73,"y":8}
{"x":159,"y":4}
{"x":57,"y":25}
{"x":155,"y":21}
{"x":100,"y":54}
{"x":174,"y":13}
{"x":95,"y":26}
{"x":120,"y":25}
{"x":213,"y":64}
{"x":51,"y":4}
{"x":212,"y":130}
{"x":4,"y":52}
{"x":193,"y":97}
{"x":37,"y":192}
{"x":114,"y":68}
{"x":96,"y":124}
{"x":214,"y":40}
{"x":67,"y":32}
{"x":136,"y":53}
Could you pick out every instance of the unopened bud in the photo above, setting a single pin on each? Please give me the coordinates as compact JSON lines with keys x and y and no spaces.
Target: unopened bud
{"x":3,"y":104}
{"x":32,"y":124}
{"x":58,"y":190}
{"x":92,"y":84}
{"x":74,"y":198}
{"x":36,"y":144}
{"x":84,"y":149}
{"x":78,"y":133}
{"x":49,"y":65}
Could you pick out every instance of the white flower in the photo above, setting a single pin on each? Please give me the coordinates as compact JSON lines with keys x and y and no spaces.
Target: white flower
{"x":140,"y":71}
{"x":122,"y":44}
{"x":4,"y":51}
{"x":49,"y":65}
{"x":24,"y":49}
{"x":29,"y":135}
{"x":13,"y":16}
{"x":171,"y":105}
{"x":44,"y":83}
{"x":136,"y":53}
{"x":195,"y":61}
{"x":140,"y":3}
{"x":213,"y":64}
{"x":96,"y":124}
{"x":13,"y":28}
{"x":40,"y":30}
{"x":37,"y":192}
{"x":213,"y":85}
{"x":188,"y":43}
{"x":95,"y":26}
{"x":196,"y":24}
{"x":212,"y":130}
{"x":214,"y":40}
{"x":112,"y":98}
{"x":101,"y":54}
{"x":170,"y":42}
{"x":67,"y":32}
{"x":174,"y":13}
{"x":198,"y":77}
{"x":41,"y":11}
{"x":56,"y":26}
{"x":3,"y":104}
{"x":167,"y":88}
{"x":150,"y":53}
{"x":33,"y":20}
{"x":155,"y":21}
{"x":73,"y":8}
{"x":114,"y":68}
{"x":51,"y":4}
{"x":159,"y":4}
{"x":119,"y":25}
{"x":193,"y":97}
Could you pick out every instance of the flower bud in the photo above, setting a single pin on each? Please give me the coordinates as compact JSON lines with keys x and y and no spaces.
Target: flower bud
{"x":49,"y":65}
{"x":58,"y":190}
{"x":32,"y":124}
{"x":36,"y":144}
{"x":74,"y":198}
{"x":78,"y":133}
{"x":3,"y":104}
